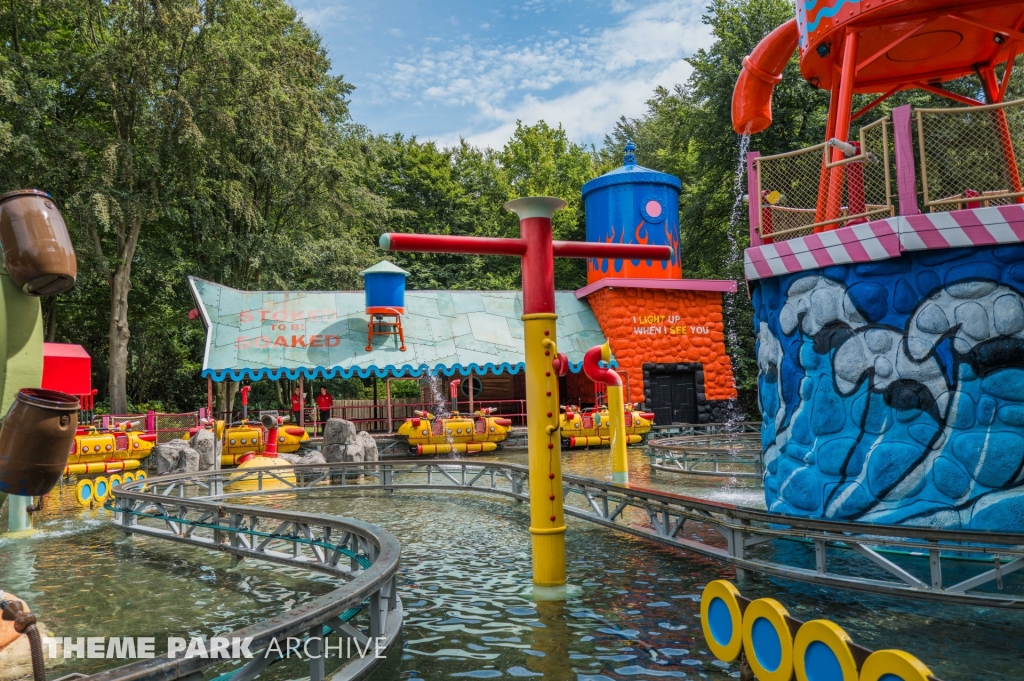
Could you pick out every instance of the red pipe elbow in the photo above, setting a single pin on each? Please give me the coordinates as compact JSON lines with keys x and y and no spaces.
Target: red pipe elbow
{"x":595,"y":372}
{"x":762,"y":71}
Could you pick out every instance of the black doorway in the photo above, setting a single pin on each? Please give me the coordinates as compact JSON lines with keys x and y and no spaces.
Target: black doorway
{"x":673,"y":397}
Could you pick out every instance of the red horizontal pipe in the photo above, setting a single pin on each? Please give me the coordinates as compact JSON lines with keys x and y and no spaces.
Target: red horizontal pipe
{"x":440,"y":243}
{"x":583,"y":249}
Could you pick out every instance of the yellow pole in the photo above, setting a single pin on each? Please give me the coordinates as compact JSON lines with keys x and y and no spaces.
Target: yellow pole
{"x":617,"y":424}
{"x":547,"y":521}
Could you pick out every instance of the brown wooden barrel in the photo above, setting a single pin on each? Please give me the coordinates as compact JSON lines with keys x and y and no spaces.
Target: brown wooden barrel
{"x":38,"y":253}
{"x":36,"y":439}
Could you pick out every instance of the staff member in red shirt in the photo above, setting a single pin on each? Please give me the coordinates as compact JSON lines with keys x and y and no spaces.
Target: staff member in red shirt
{"x":296,"y":406}
{"x":324,"y":402}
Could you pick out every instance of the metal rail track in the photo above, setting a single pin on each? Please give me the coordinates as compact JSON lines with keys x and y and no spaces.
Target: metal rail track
{"x":748,"y":539}
{"x":739,"y":453}
{"x":365,"y":556}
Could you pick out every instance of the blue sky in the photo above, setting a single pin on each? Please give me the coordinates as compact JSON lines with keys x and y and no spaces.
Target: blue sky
{"x":444,"y":69}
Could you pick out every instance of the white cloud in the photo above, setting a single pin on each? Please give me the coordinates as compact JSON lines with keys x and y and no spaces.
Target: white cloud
{"x":583,"y":81}
{"x":320,"y":14}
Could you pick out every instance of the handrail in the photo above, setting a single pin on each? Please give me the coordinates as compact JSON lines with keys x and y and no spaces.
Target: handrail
{"x":804,"y":179}
{"x":315,"y":542}
{"x":743,"y":529}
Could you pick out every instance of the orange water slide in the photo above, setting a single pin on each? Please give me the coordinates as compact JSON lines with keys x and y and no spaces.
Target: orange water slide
{"x":762,"y":71}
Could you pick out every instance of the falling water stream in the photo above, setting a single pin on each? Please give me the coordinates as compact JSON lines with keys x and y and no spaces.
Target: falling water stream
{"x":734,"y":270}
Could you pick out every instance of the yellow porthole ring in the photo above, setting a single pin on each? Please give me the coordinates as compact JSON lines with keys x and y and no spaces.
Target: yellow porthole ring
{"x":128,"y":477}
{"x":116,"y":480}
{"x":767,"y":640}
{"x":140,"y":475}
{"x":101,"y":489}
{"x":821,"y":652}
{"x":722,"y":620}
{"x":893,"y":665}
{"x":84,"y":492}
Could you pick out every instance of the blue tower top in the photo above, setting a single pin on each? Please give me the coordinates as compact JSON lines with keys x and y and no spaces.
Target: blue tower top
{"x":385,"y":287}
{"x":633,"y":205}
{"x":629,"y":173}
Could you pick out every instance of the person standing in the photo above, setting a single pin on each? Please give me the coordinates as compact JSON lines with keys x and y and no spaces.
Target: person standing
{"x":296,"y":405}
{"x":324,"y":402}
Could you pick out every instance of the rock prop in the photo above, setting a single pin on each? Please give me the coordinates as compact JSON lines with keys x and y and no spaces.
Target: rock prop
{"x":176,"y":456}
{"x":343,"y":443}
{"x":368,"y":444}
{"x":206,"y":444}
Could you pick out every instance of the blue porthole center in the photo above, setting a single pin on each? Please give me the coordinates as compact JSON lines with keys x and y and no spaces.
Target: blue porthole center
{"x":821,"y":664}
{"x":767,"y":646}
{"x":720,"y":621}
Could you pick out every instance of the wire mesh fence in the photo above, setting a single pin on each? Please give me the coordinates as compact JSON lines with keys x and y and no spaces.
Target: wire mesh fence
{"x":969,"y":155}
{"x":801,"y":192}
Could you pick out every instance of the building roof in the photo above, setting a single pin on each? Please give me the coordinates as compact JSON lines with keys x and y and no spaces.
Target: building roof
{"x":264,"y":334}
{"x":713,"y":285}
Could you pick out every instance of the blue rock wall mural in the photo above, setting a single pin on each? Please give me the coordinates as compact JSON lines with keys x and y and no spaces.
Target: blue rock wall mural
{"x":893,"y":391}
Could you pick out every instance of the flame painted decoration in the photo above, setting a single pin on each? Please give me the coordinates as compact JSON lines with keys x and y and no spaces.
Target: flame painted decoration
{"x":645,"y":232}
{"x":633,"y":205}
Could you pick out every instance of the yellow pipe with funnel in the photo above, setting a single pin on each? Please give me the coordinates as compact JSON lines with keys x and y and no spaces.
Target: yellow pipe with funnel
{"x":616,"y":407}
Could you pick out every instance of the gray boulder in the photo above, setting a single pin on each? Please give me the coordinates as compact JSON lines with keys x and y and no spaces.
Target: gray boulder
{"x":339,"y":432}
{"x":168,"y":456}
{"x":369,"y":445}
{"x":206,"y":444}
{"x":312,"y":457}
{"x":353,"y":453}
{"x":188,"y":461}
{"x":334,"y":453}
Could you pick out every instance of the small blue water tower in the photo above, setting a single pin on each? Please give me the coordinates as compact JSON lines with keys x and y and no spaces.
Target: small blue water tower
{"x":633,"y":205}
{"x":385,"y":288}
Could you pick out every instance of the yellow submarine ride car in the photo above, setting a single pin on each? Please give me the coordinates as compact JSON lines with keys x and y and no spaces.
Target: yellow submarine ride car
{"x":115,"y":454}
{"x":475,"y":434}
{"x":592,"y":427}
{"x":268,"y":459}
{"x":243,"y":437}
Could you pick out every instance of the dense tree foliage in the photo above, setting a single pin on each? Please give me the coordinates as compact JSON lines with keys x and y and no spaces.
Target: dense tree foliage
{"x":209,"y":138}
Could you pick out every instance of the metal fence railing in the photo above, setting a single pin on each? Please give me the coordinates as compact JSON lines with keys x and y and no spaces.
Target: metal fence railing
{"x":166,"y":426}
{"x":802,"y":192}
{"x":969,"y":155}
{"x":385,"y":418}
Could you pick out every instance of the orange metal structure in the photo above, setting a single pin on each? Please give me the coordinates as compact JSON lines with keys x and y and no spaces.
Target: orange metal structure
{"x":881,"y":46}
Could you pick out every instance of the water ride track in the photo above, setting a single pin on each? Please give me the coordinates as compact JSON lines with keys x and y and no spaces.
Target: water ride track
{"x":703,"y":455}
{"x":365,"y":556}
{"x":734,"y":537}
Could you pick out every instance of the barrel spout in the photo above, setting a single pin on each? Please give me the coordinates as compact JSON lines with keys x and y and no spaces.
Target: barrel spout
{"x":762,"y":71}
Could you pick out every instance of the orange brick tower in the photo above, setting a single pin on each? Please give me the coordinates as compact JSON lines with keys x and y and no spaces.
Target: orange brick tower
{"x":666,"y":332}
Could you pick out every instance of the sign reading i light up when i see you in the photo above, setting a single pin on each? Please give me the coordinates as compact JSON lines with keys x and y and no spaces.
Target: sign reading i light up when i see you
{"x":665,"y":325}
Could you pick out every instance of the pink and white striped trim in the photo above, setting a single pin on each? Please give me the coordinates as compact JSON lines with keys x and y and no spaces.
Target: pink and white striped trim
{"x":878,"y":240}
{"x":889,"y":238}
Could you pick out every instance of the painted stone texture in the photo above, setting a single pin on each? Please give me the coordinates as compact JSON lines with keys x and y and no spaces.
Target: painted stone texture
{"x":665,"y":326}
{"x":893,"y":391}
